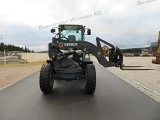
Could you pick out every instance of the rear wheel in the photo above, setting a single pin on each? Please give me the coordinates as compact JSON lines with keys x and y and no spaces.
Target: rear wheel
{"x":46,"y":80}
{"x":90,"y":79}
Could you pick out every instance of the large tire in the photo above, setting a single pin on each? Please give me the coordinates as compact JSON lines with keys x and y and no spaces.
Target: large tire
{"x":90,"y":79}
{"x":46,"y":80}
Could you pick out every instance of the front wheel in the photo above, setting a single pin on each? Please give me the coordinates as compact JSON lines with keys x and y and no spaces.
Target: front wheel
{"x":90,"y":79}
{"x":46,"y":80}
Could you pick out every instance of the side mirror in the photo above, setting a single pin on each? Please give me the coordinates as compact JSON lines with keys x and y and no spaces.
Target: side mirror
{"x":53,"y":30}
{"x":88,"y":31}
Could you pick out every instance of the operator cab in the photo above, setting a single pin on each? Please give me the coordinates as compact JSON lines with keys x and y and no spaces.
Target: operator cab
{"x":71,"y":33}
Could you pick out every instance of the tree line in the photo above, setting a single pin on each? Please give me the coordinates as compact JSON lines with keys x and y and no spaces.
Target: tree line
{"x":13,"y":48}
{"x":135,"y":50}
{"x":132,"y":50}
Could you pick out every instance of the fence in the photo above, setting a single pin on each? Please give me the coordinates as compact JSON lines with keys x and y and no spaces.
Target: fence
{"x":34,"y":57}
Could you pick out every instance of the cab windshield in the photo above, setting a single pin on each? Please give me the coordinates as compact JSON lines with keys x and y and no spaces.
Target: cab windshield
{"x":71,"y":32}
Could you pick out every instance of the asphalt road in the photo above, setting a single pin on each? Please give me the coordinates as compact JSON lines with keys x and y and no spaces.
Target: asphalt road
{"x":114,"y":99}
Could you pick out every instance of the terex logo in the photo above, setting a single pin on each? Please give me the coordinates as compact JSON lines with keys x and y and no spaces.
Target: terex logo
{"x":70,"y":44}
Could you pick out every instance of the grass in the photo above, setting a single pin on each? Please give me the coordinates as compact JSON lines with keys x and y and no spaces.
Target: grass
{"x":22,"y":64}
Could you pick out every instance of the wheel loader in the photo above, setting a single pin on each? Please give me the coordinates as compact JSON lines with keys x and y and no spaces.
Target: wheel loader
{"x":69,"y":55}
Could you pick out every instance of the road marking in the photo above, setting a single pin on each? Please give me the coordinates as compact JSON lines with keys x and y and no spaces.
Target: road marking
{"x":151,"y":93}
{"x":18,"y":80}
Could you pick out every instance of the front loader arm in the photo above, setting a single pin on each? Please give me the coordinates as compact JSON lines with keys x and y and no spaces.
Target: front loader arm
{"x":98,"y":40}
{"x":57,"y":45}
{"x":96,"y":51}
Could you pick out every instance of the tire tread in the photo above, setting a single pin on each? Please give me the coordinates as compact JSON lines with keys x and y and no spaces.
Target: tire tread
{"x":44,"y":79}
{"x":91,"y":79}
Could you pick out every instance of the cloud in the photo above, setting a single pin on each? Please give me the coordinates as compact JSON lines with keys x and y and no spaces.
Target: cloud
{"x":26,"y":35}
{"x":123,"y":23}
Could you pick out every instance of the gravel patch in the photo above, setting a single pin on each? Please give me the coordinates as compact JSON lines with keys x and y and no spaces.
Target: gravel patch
{"x":12,"y":74}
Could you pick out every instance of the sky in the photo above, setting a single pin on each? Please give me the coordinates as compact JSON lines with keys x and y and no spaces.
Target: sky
{"x":124,"y":23}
